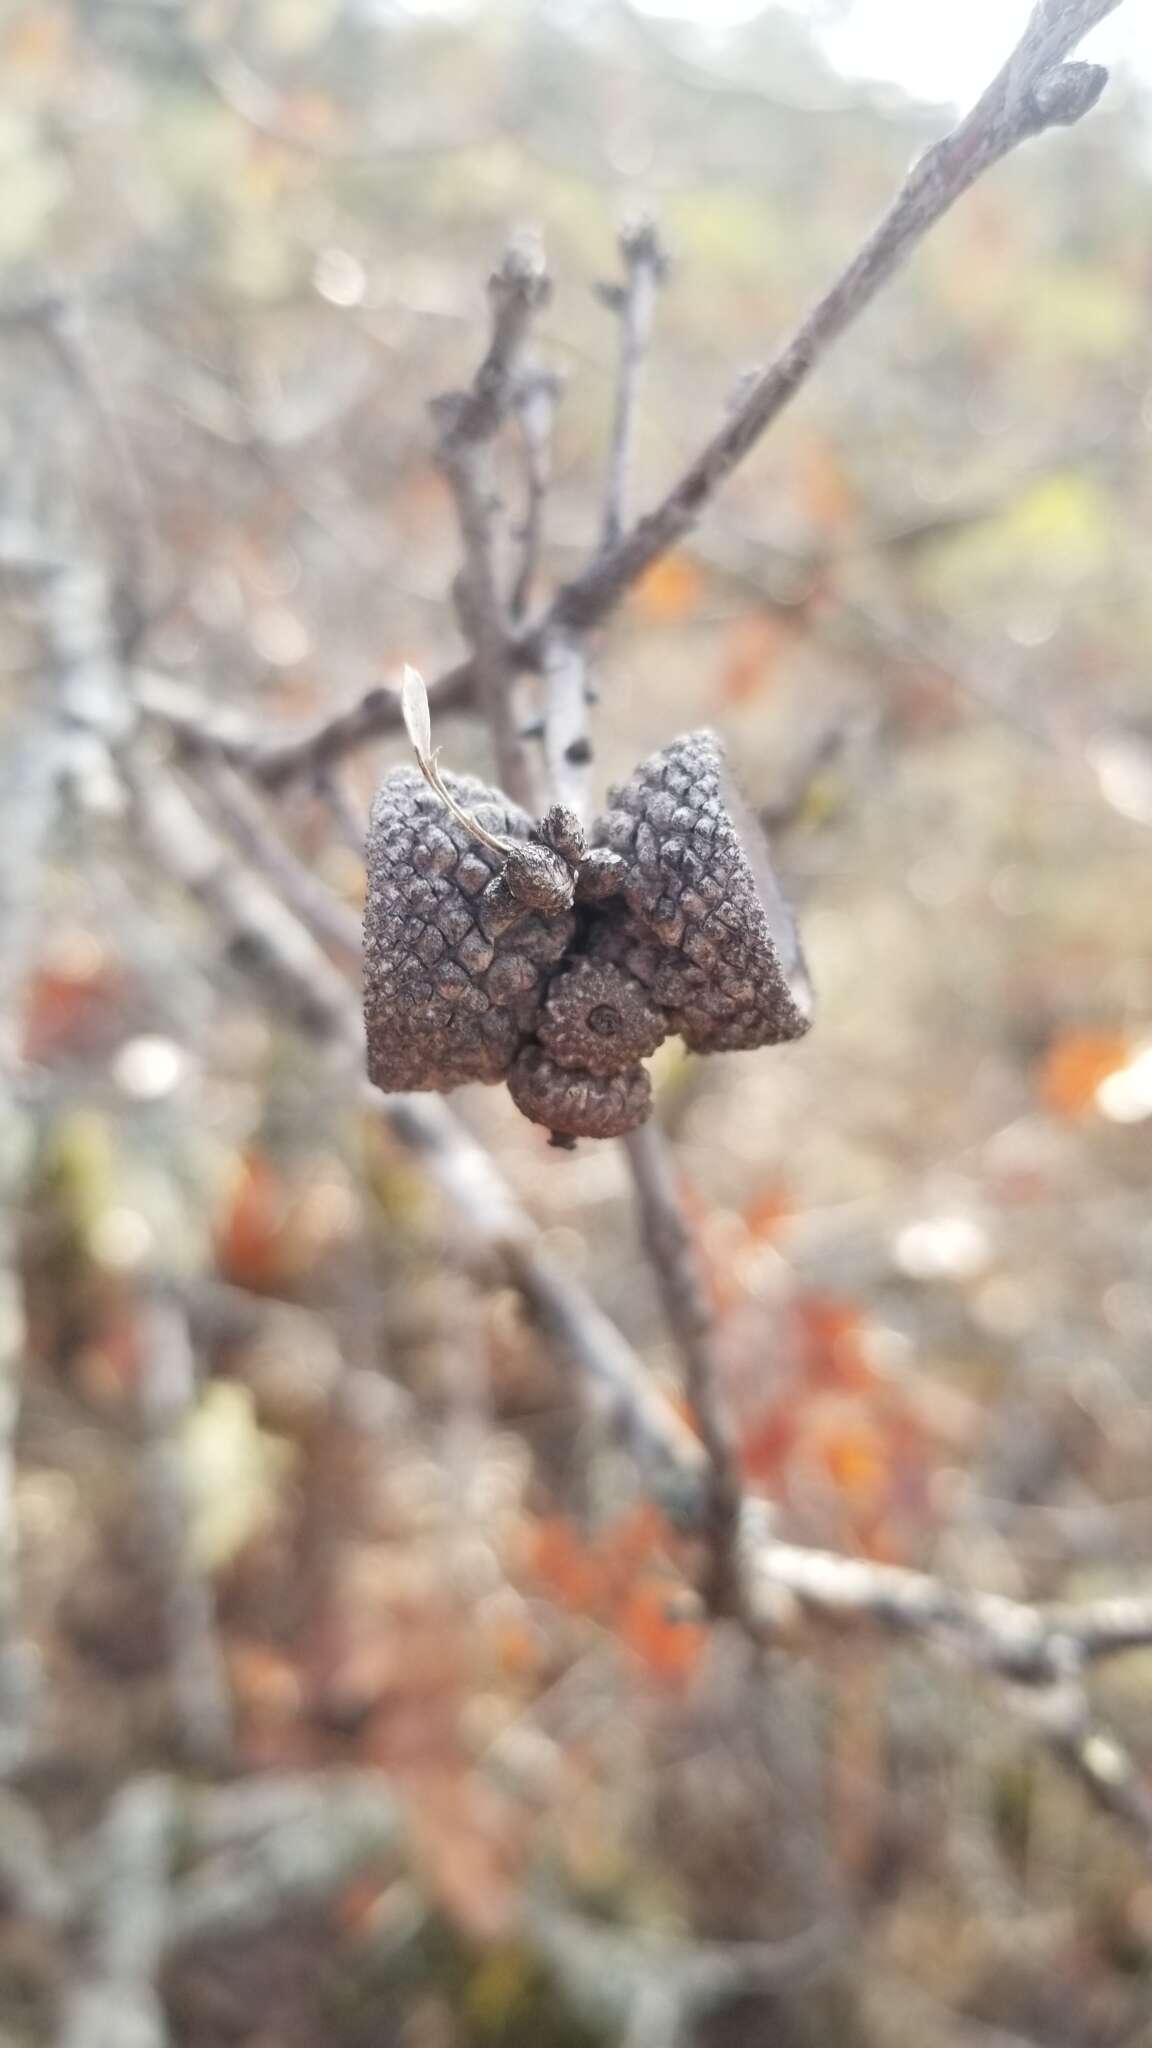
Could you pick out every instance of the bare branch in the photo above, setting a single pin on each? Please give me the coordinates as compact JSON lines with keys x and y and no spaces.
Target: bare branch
{"x":1035,"y":90}
{"x":348,"y":816}
{"x":634,"y":303}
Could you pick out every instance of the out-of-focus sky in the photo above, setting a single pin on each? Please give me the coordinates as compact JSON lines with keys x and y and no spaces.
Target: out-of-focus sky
{"x":934,"y":50}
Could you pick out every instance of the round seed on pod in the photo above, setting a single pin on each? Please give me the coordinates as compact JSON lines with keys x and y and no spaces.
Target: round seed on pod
{"x":574,"y":1105}
{"x":561,"y":829}
{"x":538,"y":877}
{"x":597,"y":1019}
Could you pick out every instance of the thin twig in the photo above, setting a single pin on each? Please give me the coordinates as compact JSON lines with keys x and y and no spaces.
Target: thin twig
{"x":1035,"y":90}
{"x":634,"y":303}
{"x":675,"y":1264}
{"x":201,"y":726}
{"x":66,"y":332}
{"x":469,"y":422}
{"x":535,"y":406}
{"x":247,"y":825}
{"x":348,"y":816}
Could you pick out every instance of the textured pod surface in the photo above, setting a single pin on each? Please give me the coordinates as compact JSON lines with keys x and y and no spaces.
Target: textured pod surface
{"x":709,"y":934}
{"x":578,"y":1105}
{"x":447,"y":999}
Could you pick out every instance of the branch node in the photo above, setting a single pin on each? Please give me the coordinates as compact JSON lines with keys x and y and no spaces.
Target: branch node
{"x":1065,"y":95}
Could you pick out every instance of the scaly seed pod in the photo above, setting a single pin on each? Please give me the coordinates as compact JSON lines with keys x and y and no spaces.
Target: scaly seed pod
{"x":477,"y":967}
{"x":711,"y":935}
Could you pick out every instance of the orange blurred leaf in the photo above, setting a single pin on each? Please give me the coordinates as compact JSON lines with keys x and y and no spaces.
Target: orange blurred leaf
{"x":567,"y":1565}
{"x":38,"y":40}
{"x":1075,"y":1065}
{"x":670,"y":590}
{"x":767,"y":1445}
{"x":250,"y":1241}
{"x":831,"y":1342}
{"x":764,"y":1214}
{"x":72,"y":999}
{"x":752,"y":651}
{"x":669,"y":1648}
{"x":855,"y":1458}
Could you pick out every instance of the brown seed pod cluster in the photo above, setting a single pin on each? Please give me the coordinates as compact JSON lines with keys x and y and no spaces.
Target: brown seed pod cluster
{"x":496,"y":949}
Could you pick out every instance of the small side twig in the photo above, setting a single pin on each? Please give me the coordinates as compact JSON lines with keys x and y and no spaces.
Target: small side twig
{"x":634,"y":303}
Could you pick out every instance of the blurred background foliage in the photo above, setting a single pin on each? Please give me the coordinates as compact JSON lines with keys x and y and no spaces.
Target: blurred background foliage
{"x":244,"y":244}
